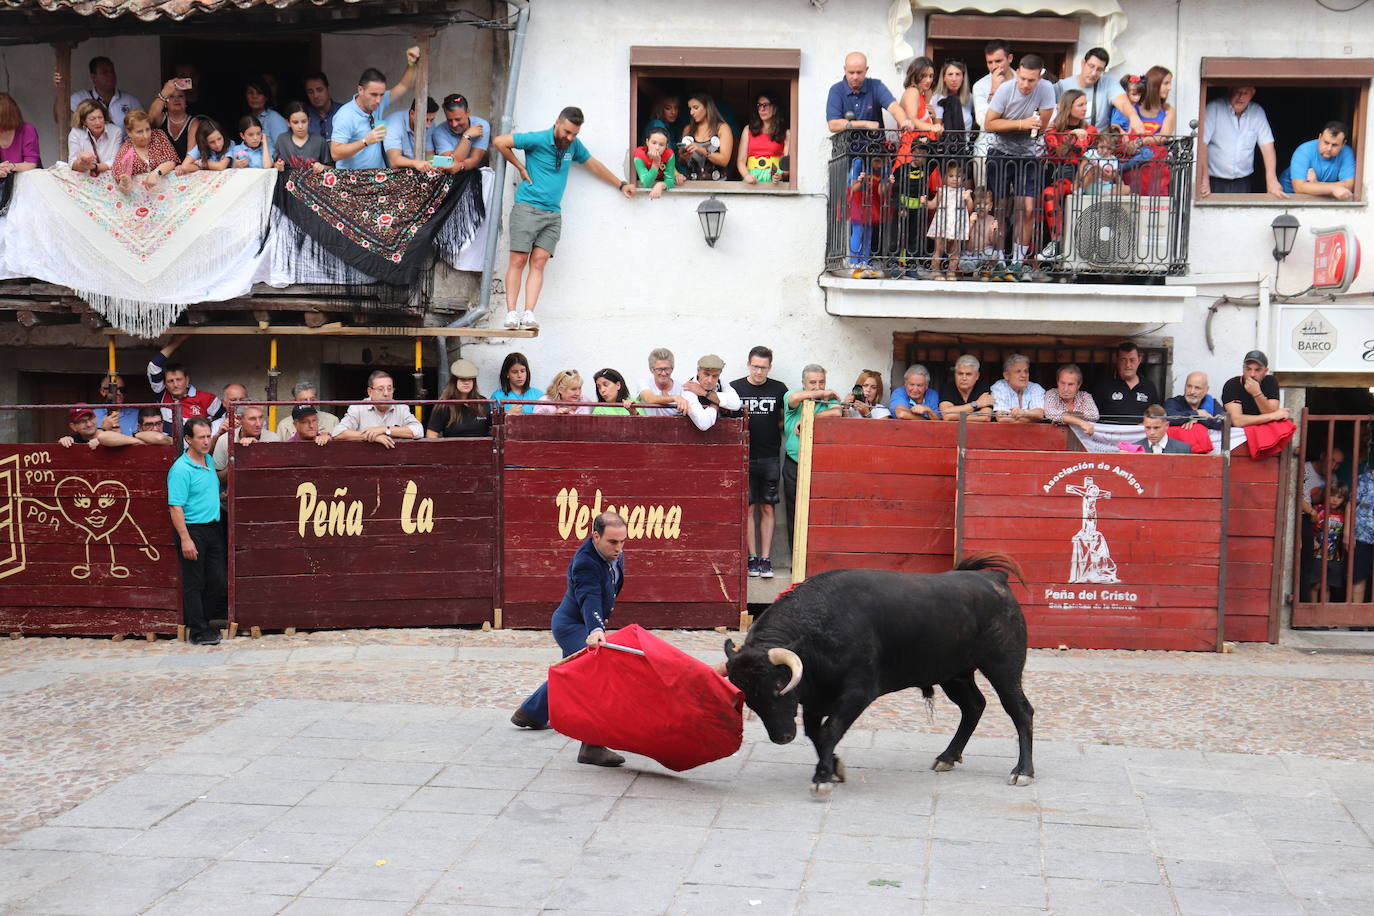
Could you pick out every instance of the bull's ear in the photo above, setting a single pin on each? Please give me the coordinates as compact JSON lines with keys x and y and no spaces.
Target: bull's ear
{"x":730,"y":647}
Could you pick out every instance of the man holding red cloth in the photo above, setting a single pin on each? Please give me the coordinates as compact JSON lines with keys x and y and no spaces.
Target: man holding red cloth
{"x":595,"y":576}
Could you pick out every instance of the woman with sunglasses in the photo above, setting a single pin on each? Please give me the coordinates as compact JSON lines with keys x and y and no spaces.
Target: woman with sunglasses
{"x":766,"y":143}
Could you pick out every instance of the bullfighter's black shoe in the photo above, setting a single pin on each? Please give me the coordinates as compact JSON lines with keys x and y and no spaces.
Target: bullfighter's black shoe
{"x":520,"y":719}
{"x":599,"y":756}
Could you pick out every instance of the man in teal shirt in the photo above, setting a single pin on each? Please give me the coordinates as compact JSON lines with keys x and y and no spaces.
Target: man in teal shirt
{"x":193,"y":500}
{"x":827,"y":405}
{"x":536,"y":219}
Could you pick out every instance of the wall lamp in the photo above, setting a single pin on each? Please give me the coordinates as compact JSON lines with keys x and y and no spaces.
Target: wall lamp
{"x":1285,"y":227}
{"x":711,"y":212}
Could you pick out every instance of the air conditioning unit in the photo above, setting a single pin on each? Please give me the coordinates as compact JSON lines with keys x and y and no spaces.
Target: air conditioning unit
{"x":1113,"y":234}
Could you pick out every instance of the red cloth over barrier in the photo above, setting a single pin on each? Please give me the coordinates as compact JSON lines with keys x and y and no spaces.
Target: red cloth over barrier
{"x":1267,"y":439}
{"x":1196,"y":437}
{"x":664,"y":704}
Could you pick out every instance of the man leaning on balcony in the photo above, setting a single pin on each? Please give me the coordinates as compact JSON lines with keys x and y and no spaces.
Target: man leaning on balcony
{"x":1324,"y":167}
{"x":858,"y":102}
{"x":1231,"y":129}
{"x":1252,"y":397}
{"x":379,"y":423}
{"x":358,"y":130}
{"x":1015,"y":397}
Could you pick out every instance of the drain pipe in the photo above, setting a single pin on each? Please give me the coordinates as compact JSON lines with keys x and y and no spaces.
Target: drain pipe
{"x":472,"y":316}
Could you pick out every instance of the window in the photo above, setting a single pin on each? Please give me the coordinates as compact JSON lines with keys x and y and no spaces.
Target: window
{"x":962,"y":37}
{"x":1095,"y":355}
{"x":1299,"y":97}
{"x":733,"y":77}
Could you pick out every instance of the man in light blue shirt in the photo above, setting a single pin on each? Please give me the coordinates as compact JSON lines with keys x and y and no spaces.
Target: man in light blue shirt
{"x":399,"y":143}
{"x":915,"y":400}
{"x":1324,"y":167}
{"x":358,"y":130}
{"x":1088,"y":81}
{"x":193,"y":501}
{"x":1231,"y":129}
{"x":1014,"y":396}
{"x":536,"y":220}
{"x":461,"y":135}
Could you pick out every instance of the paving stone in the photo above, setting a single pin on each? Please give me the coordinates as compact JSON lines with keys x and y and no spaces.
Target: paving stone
{"x":238,"y":877}
{"x":875,"y":850}
{"x":184,"y":902}
{"x":197,"y":765}
{"x":1076,"y":896}
{"x":419,"y":840}
{"x":253,"y":790}
{"x":358,"y":795}
{"x":819,"y":903}
{"x":75,"y":839}
{"x":179,"y":841}
{"x":456,"y":909}
{"x":1194,"y":901}
{"x":1103,"y":839}
{"x":1240,"y":877}
{"x":1128,"y":867}
{"x":978,"y":887}
{"x":377,"y":882}
{"x":484,"y":777}
{"x":304,"y":848}
{"x":113,"y":886}
{"x":365,"y":730}
{"x":245,"y":819}
{"x":25,"y":871}
{"x":609,"y":889}
{"x":474,"y":884}
{"x":1012,"y":858}
{"x":694,"y":899}
{"x":796,"y":817}
{"x":457,"y":801}
{"x":732,"y":857}
{"x":1330,"y":880}
{"x":934,"y":907}
{"x":140,"y":800}
{"x":273,"y":766}
{"x":632,"y":810}
{"x":861,"y":881}
{"x":324,"y":906}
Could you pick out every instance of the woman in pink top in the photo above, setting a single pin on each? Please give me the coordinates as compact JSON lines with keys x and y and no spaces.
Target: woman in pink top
{"x":18,"y":139}
{"x":566,"y":386}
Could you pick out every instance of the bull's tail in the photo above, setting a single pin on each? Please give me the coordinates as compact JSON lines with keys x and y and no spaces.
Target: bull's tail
{"x":999,"y":562}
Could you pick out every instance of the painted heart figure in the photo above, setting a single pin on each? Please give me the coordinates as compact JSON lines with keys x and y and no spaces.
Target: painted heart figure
{"x":97,"y":510}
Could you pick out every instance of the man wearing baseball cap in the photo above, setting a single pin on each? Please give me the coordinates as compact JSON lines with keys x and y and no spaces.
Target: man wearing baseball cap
{"x":306,"y":419}
{"x":1252,"y":397}
{"x":85,"y":430}
{"x":706,"y":396}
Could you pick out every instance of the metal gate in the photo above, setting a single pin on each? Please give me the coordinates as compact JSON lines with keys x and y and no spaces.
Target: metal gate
{"x":1331,"y":579}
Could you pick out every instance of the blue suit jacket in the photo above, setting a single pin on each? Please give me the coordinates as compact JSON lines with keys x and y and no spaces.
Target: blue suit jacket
{"x":592,"y":587}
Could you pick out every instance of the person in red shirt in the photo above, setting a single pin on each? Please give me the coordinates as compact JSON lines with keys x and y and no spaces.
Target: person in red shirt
{"x":171,"y":384}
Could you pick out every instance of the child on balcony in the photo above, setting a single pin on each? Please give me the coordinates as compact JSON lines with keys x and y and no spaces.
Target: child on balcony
{"x":868,"y":194}
{"x":984,"y":237}
{"x":950,"y":225}
{"x":210,"y":152}
{"x":252,"y":150}
{"x":1328,"y":539}
{"x":1099,"y":173}
{"x":655,"y":163}
{"x":298,"y":148}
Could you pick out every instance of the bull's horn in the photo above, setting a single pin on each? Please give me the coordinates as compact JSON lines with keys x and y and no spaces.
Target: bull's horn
{"x":780,"y":656}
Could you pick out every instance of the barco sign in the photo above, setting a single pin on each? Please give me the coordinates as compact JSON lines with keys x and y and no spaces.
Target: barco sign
{"x":1333,"y":338}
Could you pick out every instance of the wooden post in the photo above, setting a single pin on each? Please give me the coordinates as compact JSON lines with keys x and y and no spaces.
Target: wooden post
{"x":959,"y":483}
{"x":62,"y":100}
{"x":803,"y":505}
{"x":1225,"y":531}
{"x":421,"y":88}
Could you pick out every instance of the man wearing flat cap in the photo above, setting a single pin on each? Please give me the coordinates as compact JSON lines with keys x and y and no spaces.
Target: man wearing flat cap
{"x":706,"y":396}
{"x":1252,"y":397}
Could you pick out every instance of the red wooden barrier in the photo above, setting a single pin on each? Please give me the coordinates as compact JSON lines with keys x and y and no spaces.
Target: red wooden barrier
{"x":682,"y":491}
{"x":86,"y":542}
{"x":883,"y":491}
{"x":1254,"y":521}
{"x":1119,"y":551}
{"x":355,"y":535}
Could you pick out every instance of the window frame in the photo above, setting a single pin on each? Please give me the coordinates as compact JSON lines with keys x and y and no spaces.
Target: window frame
{"x":677,"y":62}
{"x":1031,"y":32}
{"x":1342,"y":73}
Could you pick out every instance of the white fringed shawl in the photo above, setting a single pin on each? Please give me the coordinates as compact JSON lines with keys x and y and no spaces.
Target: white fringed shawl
{"x":140,"y":259}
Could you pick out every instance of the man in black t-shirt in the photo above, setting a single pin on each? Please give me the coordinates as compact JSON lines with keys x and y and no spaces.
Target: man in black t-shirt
{"x":1123,"y":399}
{"x":764,"y":399}
{"x":1252,"y":397}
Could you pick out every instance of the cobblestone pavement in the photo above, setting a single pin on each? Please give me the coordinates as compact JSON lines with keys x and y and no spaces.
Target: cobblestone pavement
{"x":374,"y":772}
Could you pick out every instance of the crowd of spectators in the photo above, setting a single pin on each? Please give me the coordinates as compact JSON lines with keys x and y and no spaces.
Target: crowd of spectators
{"x":974,"y":181}
{"x":109,"y":129}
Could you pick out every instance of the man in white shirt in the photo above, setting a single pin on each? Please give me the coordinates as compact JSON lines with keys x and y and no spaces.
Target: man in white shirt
{"x":105,"y":90}
{"x":997,"y":55}
{"x":368,"y":422}
{"x":659,"y":389}
{"x":1157,"y":441}
{"x":248,"y":429}
{"x":305,"y":392}
{"x":1088,"y":80}
{"x":1015,"y":397}
{"x":1231,"y":129}
{"x":706,"y":396}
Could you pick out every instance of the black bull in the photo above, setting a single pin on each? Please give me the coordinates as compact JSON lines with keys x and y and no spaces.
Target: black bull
{"x":838,"y":641}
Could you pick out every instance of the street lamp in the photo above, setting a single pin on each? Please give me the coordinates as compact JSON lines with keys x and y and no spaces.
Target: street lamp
{"x":1285,"y":227}
{"x":711,"y":212}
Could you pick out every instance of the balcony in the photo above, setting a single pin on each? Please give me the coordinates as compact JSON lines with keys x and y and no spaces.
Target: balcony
{"x":1084,"y":228}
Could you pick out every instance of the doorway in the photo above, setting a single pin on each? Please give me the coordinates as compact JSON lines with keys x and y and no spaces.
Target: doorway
{"x":219,"y":68}
{"x":1333,"y":574}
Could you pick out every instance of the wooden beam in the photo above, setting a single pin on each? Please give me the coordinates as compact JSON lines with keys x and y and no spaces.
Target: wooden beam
{"x":802,"y":507}
{"x":284,"y":330}
{"x":419,"y":108}
{"x":62,"y":63}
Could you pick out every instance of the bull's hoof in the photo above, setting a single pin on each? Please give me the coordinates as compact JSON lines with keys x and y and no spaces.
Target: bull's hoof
{"x":1020,"y":779}
{"x":822,"y":789}
{"x":942,"y":766}
{"x":839,"y":770}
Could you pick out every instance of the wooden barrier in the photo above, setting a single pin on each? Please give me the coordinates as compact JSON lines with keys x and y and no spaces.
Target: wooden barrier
{"x":86,"y":542}
{"x":887,"y":496}
{"x":682,"y":491}
{"x":883,"y":493}
{"x":356,"y":535}
{"x":1119,"y":551}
